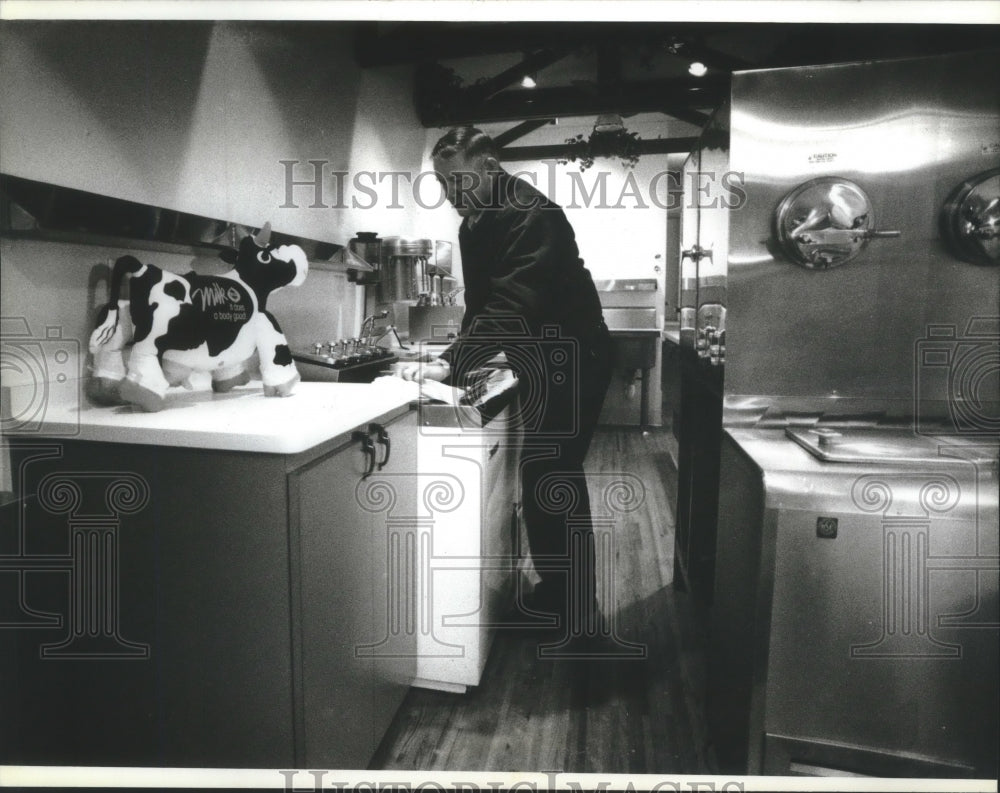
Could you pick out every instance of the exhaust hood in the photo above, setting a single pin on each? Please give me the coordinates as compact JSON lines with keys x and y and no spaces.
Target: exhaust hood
{"x":40,"y":210}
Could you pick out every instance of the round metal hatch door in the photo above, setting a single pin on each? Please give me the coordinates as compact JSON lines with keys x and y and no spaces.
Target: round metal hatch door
{"x":826,"y":222}
{"x":970,"y":219}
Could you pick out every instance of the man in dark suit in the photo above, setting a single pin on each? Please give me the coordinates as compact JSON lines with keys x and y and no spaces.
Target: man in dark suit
{"x":528,"y":293}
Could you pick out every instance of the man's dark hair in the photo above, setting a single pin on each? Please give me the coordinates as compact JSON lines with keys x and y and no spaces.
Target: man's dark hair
{"x":467,"y":141}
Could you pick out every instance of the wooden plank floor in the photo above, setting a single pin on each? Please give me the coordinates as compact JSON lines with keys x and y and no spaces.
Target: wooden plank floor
{"x":602,"y":715}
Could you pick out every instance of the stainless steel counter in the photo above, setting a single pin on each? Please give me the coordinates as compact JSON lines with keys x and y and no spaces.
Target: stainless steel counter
{"x":855,"y":614}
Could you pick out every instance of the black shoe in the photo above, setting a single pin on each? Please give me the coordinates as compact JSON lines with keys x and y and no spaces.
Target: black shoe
{"x":542,"y":611}
{"x":534,"y":612}
{"x":591,"y":645}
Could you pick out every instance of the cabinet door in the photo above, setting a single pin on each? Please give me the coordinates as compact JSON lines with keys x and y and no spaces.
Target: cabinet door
{"x":356,"y":588}
{"x":469,"y":558}
{"x":393,"y":536}
{"x":335,"y":612}
{"x":499,"y":538}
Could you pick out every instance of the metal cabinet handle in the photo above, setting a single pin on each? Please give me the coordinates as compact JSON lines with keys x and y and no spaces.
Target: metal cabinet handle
{"x":697,"y":253}
{"x":383,"y":438}
{"x":368,"y":448}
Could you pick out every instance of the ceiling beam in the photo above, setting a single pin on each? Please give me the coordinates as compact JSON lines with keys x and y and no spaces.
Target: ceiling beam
{"x":377,"y":44}
{"x":519,"y":131}
{"x":687,"y":114}
{"x":691,"y":50}
{"x":557,"y":151}
{"x":440,"y":107}
{"x":384,"y":44}
{"x":609,"y":65}
{"x":532,"y":63}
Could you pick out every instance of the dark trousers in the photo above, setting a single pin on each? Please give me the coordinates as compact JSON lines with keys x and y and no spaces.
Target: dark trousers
{"x":554,"y":497}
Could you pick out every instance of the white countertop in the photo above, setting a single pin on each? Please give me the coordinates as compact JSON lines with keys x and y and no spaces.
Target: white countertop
{"x":241,"y":420}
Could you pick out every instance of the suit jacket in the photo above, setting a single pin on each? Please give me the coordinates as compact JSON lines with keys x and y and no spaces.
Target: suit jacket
{"x":523,"y":273}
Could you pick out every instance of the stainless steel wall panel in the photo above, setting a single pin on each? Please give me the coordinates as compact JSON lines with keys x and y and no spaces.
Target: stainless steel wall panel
{"x":856,"y":599}
{"x":908,"y":132}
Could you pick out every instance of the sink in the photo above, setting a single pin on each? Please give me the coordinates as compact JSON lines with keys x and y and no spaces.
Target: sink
{"x":635,"y":351}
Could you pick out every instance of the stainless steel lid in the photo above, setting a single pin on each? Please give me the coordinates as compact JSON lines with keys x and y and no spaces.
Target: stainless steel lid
{"x":890,"y":445}
{"x":403,"y":246}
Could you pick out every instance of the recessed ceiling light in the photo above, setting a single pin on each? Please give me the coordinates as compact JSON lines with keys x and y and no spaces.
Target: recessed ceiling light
{"x":698,"y":69}
{"x":528,"y":81}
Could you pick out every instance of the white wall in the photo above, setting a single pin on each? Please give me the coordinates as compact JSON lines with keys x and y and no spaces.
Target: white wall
{"x":198,"y":117}
{"x":619,"y":229}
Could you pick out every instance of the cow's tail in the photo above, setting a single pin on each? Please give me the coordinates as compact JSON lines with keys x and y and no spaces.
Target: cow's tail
{"x":107,"y":320}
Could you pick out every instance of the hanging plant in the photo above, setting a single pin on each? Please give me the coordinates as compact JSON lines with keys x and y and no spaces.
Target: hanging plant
{"x":621,"y":144}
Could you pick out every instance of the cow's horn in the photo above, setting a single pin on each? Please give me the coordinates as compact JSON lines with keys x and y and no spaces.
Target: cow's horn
{"x":263,"y":236}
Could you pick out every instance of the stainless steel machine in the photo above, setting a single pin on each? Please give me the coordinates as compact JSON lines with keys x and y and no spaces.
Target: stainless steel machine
{"x":414,"y":274}
{"x":405,"y":272}
{"x":838,"y":507}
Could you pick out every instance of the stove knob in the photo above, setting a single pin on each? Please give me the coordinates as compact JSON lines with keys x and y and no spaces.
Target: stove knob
{"x":318,"y":348}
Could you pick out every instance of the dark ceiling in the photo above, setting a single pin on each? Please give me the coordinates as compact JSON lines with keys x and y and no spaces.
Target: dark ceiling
{"x":469,"y":73}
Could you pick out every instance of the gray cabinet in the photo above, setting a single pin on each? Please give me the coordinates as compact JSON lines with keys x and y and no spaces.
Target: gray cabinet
{"x":354,"y":556}
{"x":243,"y":604}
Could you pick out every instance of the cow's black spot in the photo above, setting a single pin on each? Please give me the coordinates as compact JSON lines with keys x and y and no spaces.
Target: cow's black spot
{"x":212,"y":316}
{"x":139,"y":306}
{"x":184,"y":331}
{"x":174,"y":289}
{"x":282,"y":355}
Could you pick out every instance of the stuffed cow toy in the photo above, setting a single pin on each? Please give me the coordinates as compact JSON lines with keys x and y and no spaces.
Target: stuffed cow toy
{"x":178,"y":324}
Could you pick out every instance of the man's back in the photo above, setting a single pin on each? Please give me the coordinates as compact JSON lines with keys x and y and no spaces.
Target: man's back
{"x":520,"y":257}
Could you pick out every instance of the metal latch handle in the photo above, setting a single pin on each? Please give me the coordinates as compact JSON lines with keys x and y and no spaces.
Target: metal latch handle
{"x":383,"y":438}
{"x":368,"y":448}
{"x":842,"y":236}
{"x":696,"y":253}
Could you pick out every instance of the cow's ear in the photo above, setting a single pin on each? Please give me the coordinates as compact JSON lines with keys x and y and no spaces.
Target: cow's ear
{"x":228,"y":255}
